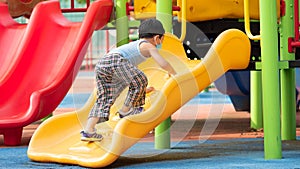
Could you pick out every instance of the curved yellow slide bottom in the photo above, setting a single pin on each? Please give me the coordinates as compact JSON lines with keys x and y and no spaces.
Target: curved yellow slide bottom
{"x":58,"y":138}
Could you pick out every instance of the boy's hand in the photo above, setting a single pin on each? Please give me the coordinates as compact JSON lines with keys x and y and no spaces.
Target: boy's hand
{"x":149,"y":89}
{"x":168,"y":75}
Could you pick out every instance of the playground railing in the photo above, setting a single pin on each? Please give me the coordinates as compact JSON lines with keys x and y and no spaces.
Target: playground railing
{"x":89,"y":60}
{"x":74,"y":9}
{"x":294,"y":41}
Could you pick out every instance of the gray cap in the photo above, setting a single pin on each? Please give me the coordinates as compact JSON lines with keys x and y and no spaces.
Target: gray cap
{"x":152,"y":26}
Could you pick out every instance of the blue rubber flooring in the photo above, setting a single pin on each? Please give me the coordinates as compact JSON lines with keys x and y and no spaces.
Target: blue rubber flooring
{"x":211,"y":154}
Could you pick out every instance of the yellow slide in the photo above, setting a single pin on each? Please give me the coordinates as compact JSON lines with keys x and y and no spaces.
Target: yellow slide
{"x":58,"y":139}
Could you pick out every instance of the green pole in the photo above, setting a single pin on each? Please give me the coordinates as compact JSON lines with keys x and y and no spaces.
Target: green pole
{"x":270,"y":79}
{"x":162,"y":131}
{"x":288,"y":80}
{"x":256,"y":114}
{"x":121,"y":22}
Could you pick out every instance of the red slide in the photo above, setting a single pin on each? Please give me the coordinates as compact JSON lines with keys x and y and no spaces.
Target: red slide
{"x":11,"y":34}
{"x":40,"y":62}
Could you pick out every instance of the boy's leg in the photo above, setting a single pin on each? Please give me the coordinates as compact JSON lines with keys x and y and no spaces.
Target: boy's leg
{"x":137,"y":91}
{"x":90,"y":134}
{"x":100,"y":110}
{"x":98,"y":114}
{"x":137,"y":82}
{"x":91,"y":123}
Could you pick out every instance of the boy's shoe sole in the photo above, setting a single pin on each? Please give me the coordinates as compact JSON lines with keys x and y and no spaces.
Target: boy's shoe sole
{"x":90,"y":137}
{"x":118,"y":116}
{"x":135,"y":111}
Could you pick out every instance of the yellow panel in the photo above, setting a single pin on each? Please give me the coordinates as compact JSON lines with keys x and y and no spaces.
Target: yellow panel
{"x":144,"y":9}
{"x":201,"y":10}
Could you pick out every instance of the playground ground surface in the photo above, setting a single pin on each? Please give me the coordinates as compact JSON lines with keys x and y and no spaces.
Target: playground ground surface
{"x":232,"y":144}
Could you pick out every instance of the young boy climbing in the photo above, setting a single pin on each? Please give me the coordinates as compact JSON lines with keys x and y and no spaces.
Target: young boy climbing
{"x":118,"y":69}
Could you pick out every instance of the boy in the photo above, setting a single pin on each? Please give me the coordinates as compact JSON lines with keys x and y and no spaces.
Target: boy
{"x":117,"y":70}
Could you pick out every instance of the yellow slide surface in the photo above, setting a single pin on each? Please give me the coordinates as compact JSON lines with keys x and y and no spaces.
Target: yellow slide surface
{"x":58,"y":139}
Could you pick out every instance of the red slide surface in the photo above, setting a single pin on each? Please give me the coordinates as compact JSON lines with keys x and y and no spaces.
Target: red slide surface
{"x":40,"y":62}
{"x":11,"y":34}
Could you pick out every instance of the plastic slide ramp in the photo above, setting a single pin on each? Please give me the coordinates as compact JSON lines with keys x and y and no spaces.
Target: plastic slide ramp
{"x":58,"y":139}
{"x":11,"y":34}
{"x":46,"y":54}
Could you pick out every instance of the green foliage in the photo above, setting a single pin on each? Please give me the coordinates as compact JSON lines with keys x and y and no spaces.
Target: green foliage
{"x":80,"y":1}
{"x":83,"y":1}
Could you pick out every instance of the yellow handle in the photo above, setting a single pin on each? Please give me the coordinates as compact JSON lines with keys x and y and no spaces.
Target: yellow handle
{"x":247,"y":21}
{"x":183,"y":20}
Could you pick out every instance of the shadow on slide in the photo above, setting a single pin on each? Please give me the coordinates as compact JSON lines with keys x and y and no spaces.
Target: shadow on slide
{"x":58,"y":138}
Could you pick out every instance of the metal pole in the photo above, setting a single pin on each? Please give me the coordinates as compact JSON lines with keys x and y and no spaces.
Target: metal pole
{"x":162,"y":131}
{"x":255,"y":78}
{"x":270,"y":79}
{"x":288,"y":80}
{"x":256,"y":100}
{"x":122,"y":25}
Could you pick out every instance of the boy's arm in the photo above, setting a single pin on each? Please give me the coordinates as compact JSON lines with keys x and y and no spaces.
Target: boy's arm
{"x":161,"y":61}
